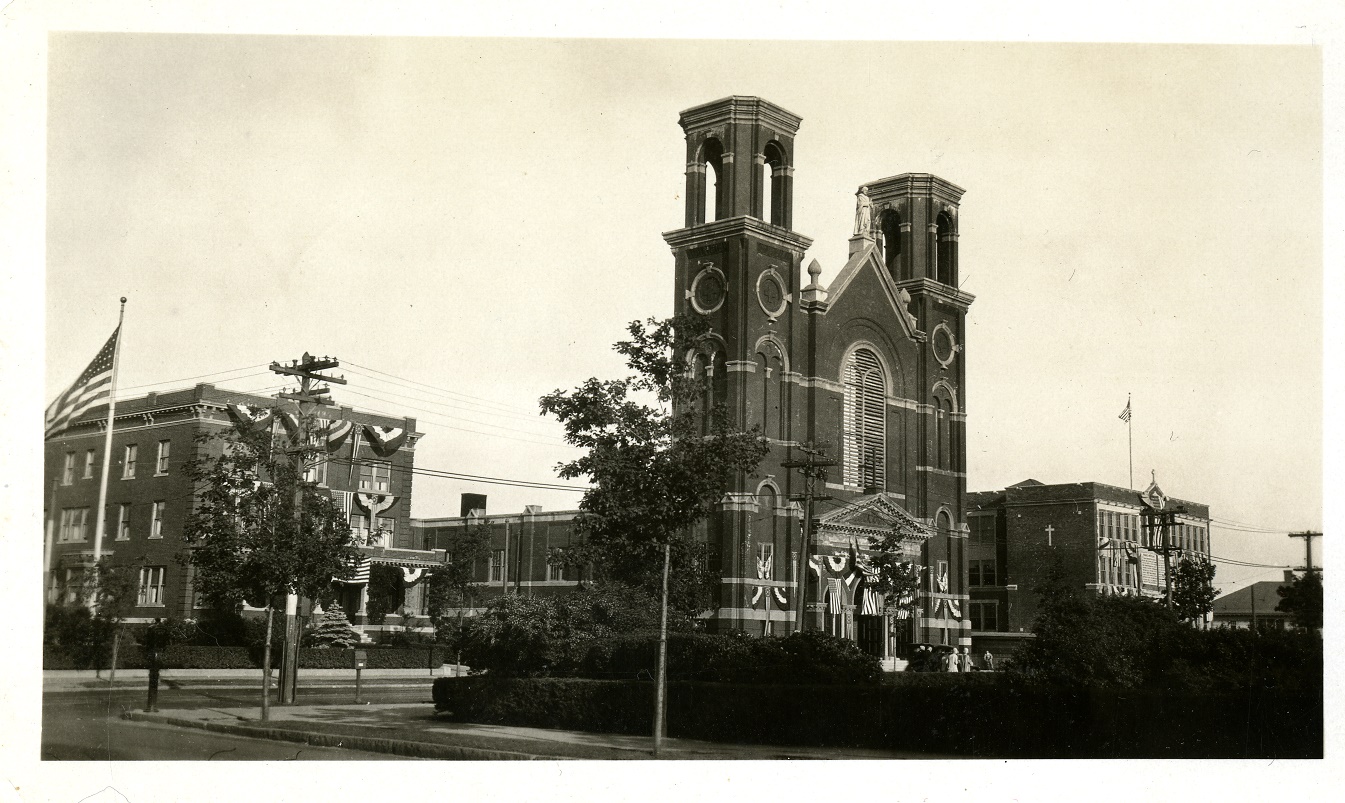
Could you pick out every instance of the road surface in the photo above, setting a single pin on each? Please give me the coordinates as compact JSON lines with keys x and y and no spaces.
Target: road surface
{"x":87,"y":726}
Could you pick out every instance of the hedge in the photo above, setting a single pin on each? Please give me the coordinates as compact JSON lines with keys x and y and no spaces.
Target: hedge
{"x":959,"y":715}
{"x":185,"y":656}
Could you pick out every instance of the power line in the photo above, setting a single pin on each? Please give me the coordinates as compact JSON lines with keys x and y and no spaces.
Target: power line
{"x":200,"y":376}
{"x":512,"y":412}
{"x":455,"y":475}
{"x":376,"y":397}
{"x":490,"y":402}
{"x":557,"y":441}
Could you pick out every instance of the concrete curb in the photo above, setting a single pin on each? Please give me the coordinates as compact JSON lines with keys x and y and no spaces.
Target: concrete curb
{"x":399,"y":747}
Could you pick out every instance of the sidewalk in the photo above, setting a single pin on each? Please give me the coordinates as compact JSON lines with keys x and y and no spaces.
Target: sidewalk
{"x":77,"y":679}
{"x":415,"y":730}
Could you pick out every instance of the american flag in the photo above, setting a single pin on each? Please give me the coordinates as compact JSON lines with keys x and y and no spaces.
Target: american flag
{"x":93,"y":386}
{"x":1125,"y":414}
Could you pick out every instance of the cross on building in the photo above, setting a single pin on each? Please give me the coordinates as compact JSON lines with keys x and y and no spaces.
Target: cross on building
{"x":1050,"y":528}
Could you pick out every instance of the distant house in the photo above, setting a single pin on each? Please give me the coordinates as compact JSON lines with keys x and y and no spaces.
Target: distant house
{"x":1254,"y":606}
{"x":367,"y":469}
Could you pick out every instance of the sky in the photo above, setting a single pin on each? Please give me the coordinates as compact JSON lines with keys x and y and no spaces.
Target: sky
{"x":468,"y":224}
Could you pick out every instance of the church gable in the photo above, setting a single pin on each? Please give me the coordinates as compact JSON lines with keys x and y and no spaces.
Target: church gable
{"x":872,"y":517}
{"x":860,"y":275}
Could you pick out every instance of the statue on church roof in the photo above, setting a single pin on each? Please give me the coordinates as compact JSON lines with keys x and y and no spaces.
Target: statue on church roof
{"x":863,"y":213}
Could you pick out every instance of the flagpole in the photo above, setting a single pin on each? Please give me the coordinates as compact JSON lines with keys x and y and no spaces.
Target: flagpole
{"x":1130,"y":439}
{"x":101,"y":515}
{"x":50,"y":535}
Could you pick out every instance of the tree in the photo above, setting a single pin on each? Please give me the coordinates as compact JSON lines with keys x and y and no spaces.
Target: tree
{"x":114,"y":589}
{"x":898,"y":578}
{"x":331,"y":628}
{"x":258,"y":531}
{"x":658,"y":462}
{"x":451,"y":590}
{"x":1302,"y":599}
{"x":1193,"y":590}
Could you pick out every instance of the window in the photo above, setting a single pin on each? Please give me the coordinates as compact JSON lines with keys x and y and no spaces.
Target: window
{"x":495,"y":567}
{"x":151,"y":586}
{"x":945,"y":441}
{"x":375,"y":477}
{"x":123,"y":522}
{"x":863,"y":421}
{"x":68,"y":470}
{"x":315,"y":471}
{"x":161,"y":464}
{"x":359,"y":527}
{"x":74,"y":525}
{"x":156,"y":520}
{"x":981,"y":573}
{"x":386,"y":528}
{"x":555,"y":571}
{"x":88,"y":464}
{"x":128,"y":463}
{"x":766,"y":558}
{"x":983,"y":615}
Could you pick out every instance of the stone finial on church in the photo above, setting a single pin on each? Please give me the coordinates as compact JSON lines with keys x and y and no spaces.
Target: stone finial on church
{"x":814,"y":290}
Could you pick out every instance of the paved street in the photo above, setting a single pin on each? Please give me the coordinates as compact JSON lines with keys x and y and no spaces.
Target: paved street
{"x":86,"y":725}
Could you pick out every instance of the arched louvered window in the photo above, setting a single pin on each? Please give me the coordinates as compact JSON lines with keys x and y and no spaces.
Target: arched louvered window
{"x":864,"y":421}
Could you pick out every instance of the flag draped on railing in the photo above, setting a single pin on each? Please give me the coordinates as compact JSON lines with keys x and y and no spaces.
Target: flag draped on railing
{"x":92,"y":386}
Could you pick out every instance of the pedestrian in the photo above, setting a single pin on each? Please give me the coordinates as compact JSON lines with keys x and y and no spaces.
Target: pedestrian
{"x":989,"y":661}
{"x":964,"y":659}
{"x":950,"y":661}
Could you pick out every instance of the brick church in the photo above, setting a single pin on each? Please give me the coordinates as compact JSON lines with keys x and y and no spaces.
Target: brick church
{"x":869,"y":370}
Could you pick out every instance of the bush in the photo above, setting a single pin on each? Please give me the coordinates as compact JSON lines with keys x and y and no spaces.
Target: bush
{"x":955,"y":713}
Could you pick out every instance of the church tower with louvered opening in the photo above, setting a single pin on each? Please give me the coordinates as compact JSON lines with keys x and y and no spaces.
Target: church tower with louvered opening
{"x":866,"y":373}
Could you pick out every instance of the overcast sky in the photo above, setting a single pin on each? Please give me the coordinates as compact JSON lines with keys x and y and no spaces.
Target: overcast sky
{"x":468,"y":224}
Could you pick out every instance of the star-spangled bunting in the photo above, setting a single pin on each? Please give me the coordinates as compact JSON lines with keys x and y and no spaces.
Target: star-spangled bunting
{"x":93,"y":386}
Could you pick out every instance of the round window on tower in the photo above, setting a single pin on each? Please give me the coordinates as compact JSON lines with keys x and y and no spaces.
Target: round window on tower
{"x":771,"y":293}
{"x":944,"y":344}
{"x":707,"y":290}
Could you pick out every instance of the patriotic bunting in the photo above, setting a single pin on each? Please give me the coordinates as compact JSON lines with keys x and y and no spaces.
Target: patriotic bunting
{"x":92,"y":386}
{"x":334,"y":434}
{"x":375,"y":503}
{"x":385,"y":441}
{"x":410,"y":576}
{"x":250,"y":419}
{"x":360,"y":573}
{"x":290,"y":421}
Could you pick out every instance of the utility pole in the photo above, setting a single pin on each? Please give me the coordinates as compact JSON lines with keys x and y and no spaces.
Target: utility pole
{"x":1158,"y":523}
{"x":1307,"y":537}
{"x":813,"y":468}
{"x":309,"y":395}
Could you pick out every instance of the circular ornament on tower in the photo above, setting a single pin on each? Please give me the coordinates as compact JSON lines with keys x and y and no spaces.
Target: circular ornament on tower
{"x":707,"y":290}
{"x":771,"y":293}
{"x":944,"y":344}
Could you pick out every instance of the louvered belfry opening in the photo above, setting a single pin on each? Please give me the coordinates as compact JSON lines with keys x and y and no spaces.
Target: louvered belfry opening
{"x":865,"y":431}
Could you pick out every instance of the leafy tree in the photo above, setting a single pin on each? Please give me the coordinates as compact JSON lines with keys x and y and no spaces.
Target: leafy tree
{"x":1084,"y":639}
{"x":520,"y":636}
{"x":658,"y":463}
{"x":114,"y":589}
{"x":1302,"y":599}
{"x":258,"y":531}
{"x":385,"y":592}
{"x":1193,"y":590}
{"x":898,"y":578}
{"x":451,"y":589}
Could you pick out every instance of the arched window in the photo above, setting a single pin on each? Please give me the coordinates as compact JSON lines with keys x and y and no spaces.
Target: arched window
{"x":771,"y":184}
{"x":712,"y":158}
{"x":944,"y":249}
{"x":890,"y":229}
{"x":945,"y":436}
{"x":864,"y":421}
{"x":770,"y":366}
{"x":944,"y":523}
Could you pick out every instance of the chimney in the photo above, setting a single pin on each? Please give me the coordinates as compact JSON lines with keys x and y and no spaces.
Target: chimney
{"x":473,"y":502}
